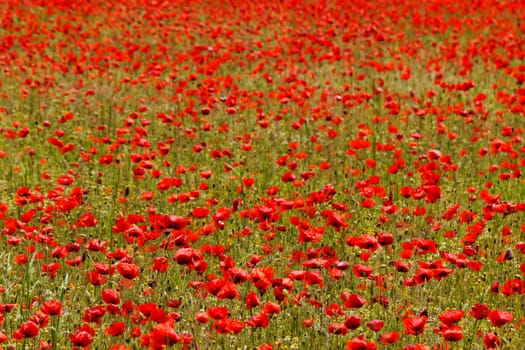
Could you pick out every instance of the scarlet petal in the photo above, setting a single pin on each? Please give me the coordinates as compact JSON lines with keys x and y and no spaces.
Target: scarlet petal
{"x":498,"y":318}
{"x":415,"y":325}
{"x":115,"y":329}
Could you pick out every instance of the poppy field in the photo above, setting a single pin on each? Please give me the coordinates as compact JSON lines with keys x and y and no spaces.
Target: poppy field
{"x":262,"y":175}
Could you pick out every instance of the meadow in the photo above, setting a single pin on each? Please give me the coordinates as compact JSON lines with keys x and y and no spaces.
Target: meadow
{"x":262,"y":175}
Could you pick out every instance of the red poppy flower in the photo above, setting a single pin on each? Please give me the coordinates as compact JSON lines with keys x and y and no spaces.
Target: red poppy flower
{"x":94,"y":314}
{"x":82,"y":339}
{"x":163,"y":334}
{"x":201,"y":317}
{"x":453,"y":334}
{"x":494,"y":287}
{"x":271,"y":308}
{"x":252,"y":300}
{"x":364,"y":242}
{"x":199,"y":213}
{"x":362,"y":270}
{"x":40,"y":319}
{"x":415,"y":325}
{"x":135,"y":332}
{"x":52,"y":308}
{"x":288,"y":177}
{"x":151,"y":310}
{"x":335,"y":220}
{"x":479,"y":311}
{"x":21,"y":259}
{"x":95,"y":245}
{"x":312,"y":278}
{"x":238,"y":275}
{"x":352,"y":321}
{"x":129,"y":271}
{"x":308,"y":322}
{"x":352,"y":300}
{"x":106,"y":159}
{"x":491,"y":341}
{"x":313,"y":234}
{"x":248,"y":181}
{"x":258,"y":320}
{"x":224,"y":326}
{"x":96,"y":278}
{"x":360,"y":343}
{"x":385,"y":239}
{"x":376,"y":325}
{"x":499,"y":318}
{"x":119,"y":347}
{"x":334,"y":310}
{"x":451,"y":317}
{"x":187,"y":256}
{"x":389,"y":338}
{"x":115,"y":329}
{"x":262,"y":278}
{"x":7,"y":307}
{"x":401,"y":266}
{"x":337,"y":328}
{"x":27,"y":329}
{"x":513,"y":286}
{"x":104,"y":269}
{"x":228,"y":290}
{"x":265,"y":347}
{"x":218,"y":312}
{"x":160,"y":264}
